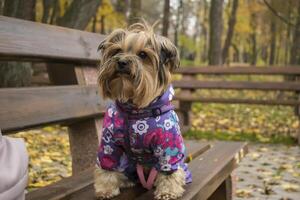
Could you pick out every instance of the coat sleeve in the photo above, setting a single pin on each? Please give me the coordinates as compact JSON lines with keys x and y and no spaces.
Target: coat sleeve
{"x":109,"y":153}
{"x":13,"y":168}
{"x":168,"y":146}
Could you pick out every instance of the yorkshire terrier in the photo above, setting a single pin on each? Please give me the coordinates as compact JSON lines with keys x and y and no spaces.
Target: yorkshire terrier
{"x":141,"y":134}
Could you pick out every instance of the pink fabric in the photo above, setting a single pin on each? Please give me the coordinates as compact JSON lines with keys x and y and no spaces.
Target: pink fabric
{"x":13,"y":168}
{"x":152,"y":175}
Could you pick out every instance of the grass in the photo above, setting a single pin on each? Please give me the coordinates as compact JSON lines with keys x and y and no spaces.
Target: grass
{"x":248,"y":137}
{"x":253,"y":123}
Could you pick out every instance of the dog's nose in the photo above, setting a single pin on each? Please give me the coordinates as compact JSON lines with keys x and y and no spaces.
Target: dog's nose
{"x":122,"y":65}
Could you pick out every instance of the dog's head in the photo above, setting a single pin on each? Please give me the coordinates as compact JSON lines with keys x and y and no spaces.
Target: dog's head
{"x":136,"y":65}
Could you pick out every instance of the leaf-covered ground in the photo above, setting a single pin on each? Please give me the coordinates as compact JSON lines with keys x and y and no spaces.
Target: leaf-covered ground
{"x":49,"y":153}
{"x":266,"y":124}
{"x":269,"y":172}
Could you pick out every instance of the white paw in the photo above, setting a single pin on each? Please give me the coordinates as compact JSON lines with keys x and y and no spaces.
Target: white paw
{"x":107,"y":193}
{"x":166,"y":196}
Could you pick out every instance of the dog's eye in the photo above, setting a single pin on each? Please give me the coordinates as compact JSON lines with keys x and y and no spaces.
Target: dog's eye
{"x":142,"y":54}
{"x":116,"y":52}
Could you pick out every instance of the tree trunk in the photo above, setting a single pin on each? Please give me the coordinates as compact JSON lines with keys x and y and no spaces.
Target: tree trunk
{"x":230,"y":31}
{"x":47,"y":4}
{"x":55,"y":12}
{"x":179,"y":13}
{"x":215,"y":32}
{"x":135,"y":11}
{"x":1,"y":6}
{"x":10,"y":8}
{"x":165,"y":28}
{"x":23,"y":9}
{"x":102,"y":22}
{"x":273,"y":41}
{"x":204,"y":54}
{"x":295,"y":50}
{"x":94,"y":23}
{"x":16,"y":74}
{"x":79,"y":14}
{"x":254,"y":49}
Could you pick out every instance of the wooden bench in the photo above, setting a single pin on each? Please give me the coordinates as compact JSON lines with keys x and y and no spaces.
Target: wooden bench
{"x":189,"y":83}
{"x":73,"y":101}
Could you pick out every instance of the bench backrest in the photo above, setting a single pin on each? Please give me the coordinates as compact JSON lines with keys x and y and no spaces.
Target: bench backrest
{"x":71,"y":58}
{"x":189,"y":81}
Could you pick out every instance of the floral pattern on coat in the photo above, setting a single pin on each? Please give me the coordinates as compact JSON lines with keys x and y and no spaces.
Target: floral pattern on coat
{"x":151,"y":141}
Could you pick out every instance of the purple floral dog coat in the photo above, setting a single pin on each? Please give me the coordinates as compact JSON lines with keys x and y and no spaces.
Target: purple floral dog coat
{"x":150,"y":137}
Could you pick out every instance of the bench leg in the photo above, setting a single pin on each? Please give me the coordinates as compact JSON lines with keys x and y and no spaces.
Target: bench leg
{"x":83,"y":134}
{"x":224,"y":191}
{"x":184,"y":114}
{"x":84,"y":144}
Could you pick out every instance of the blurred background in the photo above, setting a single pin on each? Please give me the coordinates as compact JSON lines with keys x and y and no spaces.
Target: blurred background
{"x":207,"y":32}
{"x":256,"y":32}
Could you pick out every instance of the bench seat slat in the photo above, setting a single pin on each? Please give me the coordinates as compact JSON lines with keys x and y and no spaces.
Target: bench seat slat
{"x":81,"y":186}
{"x":282,"y":86}
{"x":29,"y":107}
{"x":209,"y":170}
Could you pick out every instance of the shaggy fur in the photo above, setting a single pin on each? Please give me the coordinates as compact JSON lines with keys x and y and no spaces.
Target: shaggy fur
{"x":149,"y":60}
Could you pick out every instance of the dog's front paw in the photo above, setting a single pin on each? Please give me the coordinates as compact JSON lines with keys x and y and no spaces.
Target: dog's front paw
{"x":169,"y":186}
{"x":106,"y":183}
{"x":166,"y":196}
{"x":106,"y":193}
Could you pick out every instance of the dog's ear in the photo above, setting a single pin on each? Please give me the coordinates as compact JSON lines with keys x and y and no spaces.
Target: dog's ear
{"x":115,"y":37}
{"x":169,"y":55}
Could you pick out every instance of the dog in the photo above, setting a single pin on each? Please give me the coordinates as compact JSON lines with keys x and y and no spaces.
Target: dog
{"x":141,"y":134}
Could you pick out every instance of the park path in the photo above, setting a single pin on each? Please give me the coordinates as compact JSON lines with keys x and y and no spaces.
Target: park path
{"x":269,"y":172}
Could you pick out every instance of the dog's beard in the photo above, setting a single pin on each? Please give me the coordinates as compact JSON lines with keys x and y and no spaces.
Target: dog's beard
{"x":140,"y":86}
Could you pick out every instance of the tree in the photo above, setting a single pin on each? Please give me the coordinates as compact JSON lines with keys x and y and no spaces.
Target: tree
{"x":1,"y":6}
{"x":47,"y":5}
{"x":273,"y":27}
{"x":253,"y":39}
{"x":166,"y":18}
{"x":177,"y":23}
{"x":295,"y":50}
{"x":16,"y":74}
{"x":230,"y":31}
{"x":135,"y":11}
{"x":215,"y":32}
{"x":79,"y":14}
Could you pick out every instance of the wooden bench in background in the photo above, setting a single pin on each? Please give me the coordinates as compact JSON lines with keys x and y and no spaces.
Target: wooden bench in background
{"x":189,"y":83}
{"x":73,"y":100}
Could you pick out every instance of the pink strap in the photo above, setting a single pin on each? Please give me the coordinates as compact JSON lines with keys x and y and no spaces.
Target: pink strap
{"x":151,"y":177}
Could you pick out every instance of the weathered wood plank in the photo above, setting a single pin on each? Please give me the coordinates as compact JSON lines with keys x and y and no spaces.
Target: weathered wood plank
{"x":80,"y":187}
{"x":25,"y":40}
{"x":239,"y":85}
{"x":84,"y":136}
{"x":210,"y":170}
{"x":237,"y":101}
{"x":29,"y":107}
{"x":63,"y":188}
{"x":252,"y":70}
